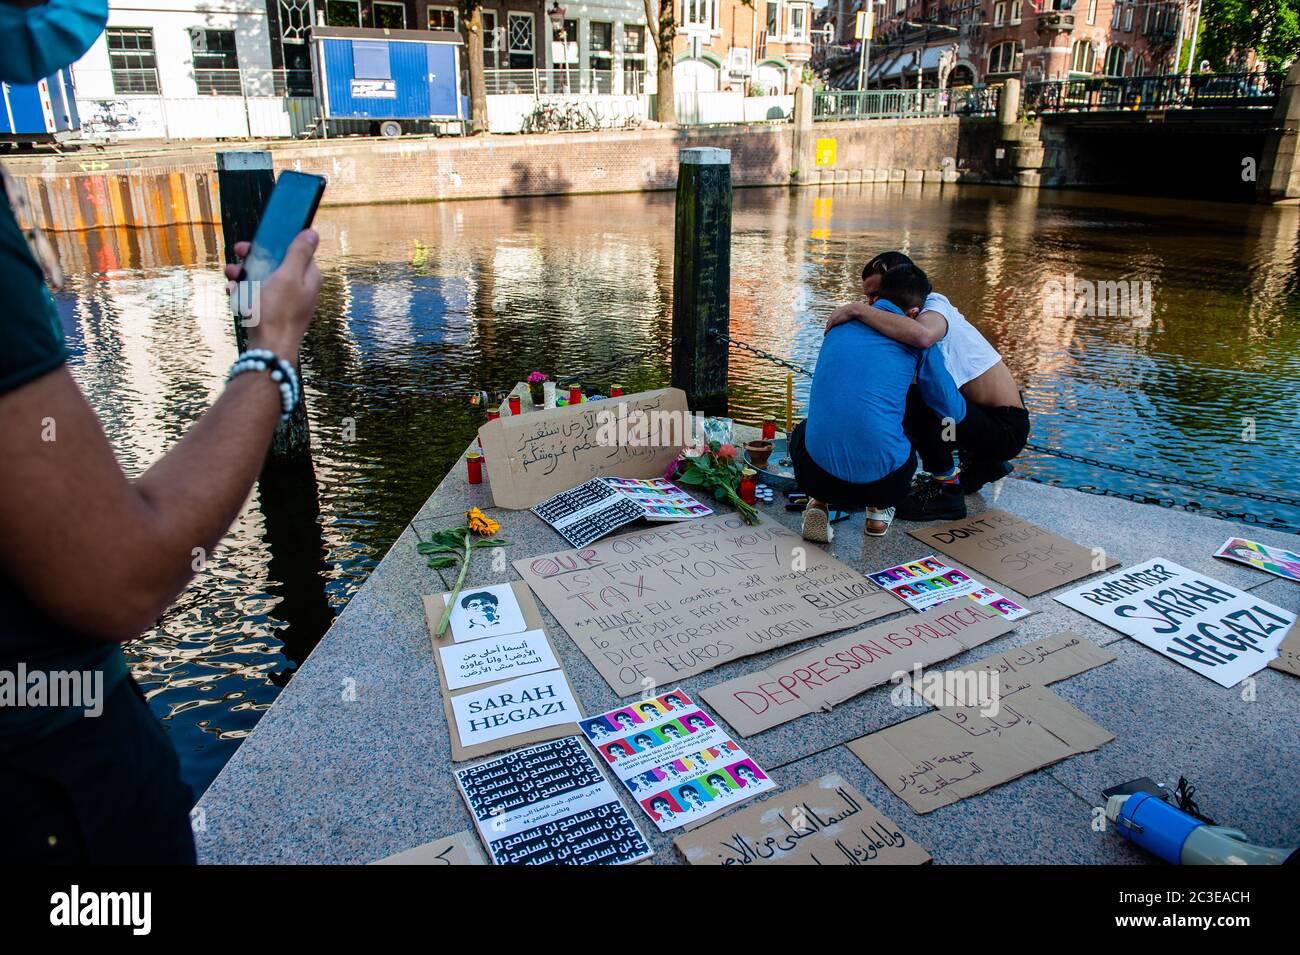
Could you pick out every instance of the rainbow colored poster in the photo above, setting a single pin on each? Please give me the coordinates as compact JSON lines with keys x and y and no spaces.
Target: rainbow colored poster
{"x":928,"y":582}
{"x":1271,"y":560}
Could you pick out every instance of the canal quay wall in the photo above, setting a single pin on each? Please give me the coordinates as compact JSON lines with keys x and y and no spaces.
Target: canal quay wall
{"x":352,"y":762}
{"x":171,"y":185}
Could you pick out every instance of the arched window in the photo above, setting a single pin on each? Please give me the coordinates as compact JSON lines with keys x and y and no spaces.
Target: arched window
{"x":1140,"y":66}
{"x":1116,"y":60}
{"x":1002,"y":57}
{"x":1083,"y":59}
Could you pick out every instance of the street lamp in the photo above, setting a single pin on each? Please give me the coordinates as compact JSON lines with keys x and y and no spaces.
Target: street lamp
{"x":556,"y":15}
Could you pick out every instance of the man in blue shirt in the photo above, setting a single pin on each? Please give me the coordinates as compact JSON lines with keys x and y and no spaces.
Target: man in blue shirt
{"x":851,"y":450}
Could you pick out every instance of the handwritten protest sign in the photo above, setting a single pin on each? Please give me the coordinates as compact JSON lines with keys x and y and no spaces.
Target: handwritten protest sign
{"x":458,"y":849}
{"x":1059,"y":657}
{"x":670,"y":602}
{"x":1206,"y":625}
{"x":941,"y":757}
{"x":533,"y":456}
{"x":550,"y":805}
{"x":827,"y":675}
{"x":1288,"y":654}
{"x":496,"y":693}
{"x":824,"y":822}
{"x":1024,"y":556}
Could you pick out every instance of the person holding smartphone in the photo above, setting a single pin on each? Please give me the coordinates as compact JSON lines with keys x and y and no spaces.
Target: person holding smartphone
{"x":89,"y":558}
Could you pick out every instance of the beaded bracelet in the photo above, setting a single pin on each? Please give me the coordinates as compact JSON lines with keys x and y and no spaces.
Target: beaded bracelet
{"x":282,"y":373}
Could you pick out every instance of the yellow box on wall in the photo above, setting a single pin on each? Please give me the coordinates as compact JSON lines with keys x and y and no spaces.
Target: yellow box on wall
{"x":825,"y":152}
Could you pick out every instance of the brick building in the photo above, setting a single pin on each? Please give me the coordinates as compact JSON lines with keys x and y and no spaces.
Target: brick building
{"x":987,"y":41}
{"x":727,"y":44}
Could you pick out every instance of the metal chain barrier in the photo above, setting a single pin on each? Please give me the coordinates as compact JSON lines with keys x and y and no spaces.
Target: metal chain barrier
{"x":1242,"y":516}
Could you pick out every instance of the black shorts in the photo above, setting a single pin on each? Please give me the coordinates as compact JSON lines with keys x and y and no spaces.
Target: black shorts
{"x":887,"y":491}
{"x":102,"y":790}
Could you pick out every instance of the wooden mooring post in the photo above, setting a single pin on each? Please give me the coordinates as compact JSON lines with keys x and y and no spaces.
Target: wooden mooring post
{"x":244,"y":181}
{"x":702,"y":278}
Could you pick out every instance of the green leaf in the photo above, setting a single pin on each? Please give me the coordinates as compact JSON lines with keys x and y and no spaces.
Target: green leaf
{"x":720,"y":493}
{"x":692,"y":475}
{"x":442,"y":561}
{"x":450,"y":539}
{"x":490,"y":542}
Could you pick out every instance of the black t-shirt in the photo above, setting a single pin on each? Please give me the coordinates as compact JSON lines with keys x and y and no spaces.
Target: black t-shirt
{"x":31,"y":345}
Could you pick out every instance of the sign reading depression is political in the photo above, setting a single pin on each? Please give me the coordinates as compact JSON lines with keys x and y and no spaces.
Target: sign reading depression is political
{"x":1206,"y":625}
{"x":670,"y":602}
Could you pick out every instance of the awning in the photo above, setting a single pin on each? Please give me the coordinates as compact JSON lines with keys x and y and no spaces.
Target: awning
{"x":905,"y":63}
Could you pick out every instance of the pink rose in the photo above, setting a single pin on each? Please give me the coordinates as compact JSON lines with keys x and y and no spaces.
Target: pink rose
{"x":727,"y":451}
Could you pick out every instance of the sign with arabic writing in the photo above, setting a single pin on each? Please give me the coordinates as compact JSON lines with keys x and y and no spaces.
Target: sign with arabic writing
{"x":550,"y":805}
{"x":942,"y":757}
{"x":824,"y":822}
{"x":535,"y":455}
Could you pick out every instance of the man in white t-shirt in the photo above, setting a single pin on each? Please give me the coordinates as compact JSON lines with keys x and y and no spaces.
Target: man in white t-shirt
{"x":996,"y":426}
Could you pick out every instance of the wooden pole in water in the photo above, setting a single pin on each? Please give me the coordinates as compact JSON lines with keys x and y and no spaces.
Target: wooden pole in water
{"x":702,"y":278}
{"x":244,"y":181}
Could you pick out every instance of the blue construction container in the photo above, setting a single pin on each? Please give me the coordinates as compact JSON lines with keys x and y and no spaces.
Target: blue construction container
{"x":387,"y":81}
{"x":40,"y":112}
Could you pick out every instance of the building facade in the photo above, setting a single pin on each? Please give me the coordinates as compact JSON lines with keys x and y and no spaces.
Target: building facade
{"x":732,"y":45}
{"x":988,"y":41}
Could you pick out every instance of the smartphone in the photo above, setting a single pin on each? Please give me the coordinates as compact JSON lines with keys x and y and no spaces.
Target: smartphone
{"x":290,"y":209}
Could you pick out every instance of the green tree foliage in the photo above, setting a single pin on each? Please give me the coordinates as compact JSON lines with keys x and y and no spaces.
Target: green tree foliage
{"x":1231,"y":28}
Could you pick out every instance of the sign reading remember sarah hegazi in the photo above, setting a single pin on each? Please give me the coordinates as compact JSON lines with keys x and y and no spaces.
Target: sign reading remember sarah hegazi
{"x":1206,"y":625}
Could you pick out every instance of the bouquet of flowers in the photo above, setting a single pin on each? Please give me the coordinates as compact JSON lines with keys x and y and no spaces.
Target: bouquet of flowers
{"x":536,"y":380}
{"x":715,"y":468}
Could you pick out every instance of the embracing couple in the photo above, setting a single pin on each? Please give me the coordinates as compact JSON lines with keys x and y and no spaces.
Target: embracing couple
{"x":900,"y":376}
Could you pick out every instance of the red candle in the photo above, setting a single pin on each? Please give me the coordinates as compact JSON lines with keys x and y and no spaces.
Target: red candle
{"x":515,"y":406}
{"x":616,"y":391}
{"x":474,"y":467}
{"x":575,"y":394}
{"x":769,"y":430}
{"x":493,"y":415}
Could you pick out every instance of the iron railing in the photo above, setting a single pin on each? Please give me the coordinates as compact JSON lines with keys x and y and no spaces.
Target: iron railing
{"x":546,"y":82}
{"x":1174,"y":91}
{"x":836,"y":105}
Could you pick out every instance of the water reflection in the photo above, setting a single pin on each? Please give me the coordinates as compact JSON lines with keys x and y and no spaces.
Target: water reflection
{"x":424,"y":304}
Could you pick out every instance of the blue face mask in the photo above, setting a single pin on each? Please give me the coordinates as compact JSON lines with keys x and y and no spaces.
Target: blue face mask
{"x":37,"y":41}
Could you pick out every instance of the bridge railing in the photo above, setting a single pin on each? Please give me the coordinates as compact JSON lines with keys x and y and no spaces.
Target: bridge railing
{"x":838,"y":105}
{"x":1095,"y":94}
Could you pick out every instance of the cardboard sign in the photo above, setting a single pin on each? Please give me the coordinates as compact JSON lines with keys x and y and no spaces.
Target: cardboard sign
{"x":825,"y":822}
{"x":816,"y":679}
{"x":1206,"y":625}
{"x":533,"y":456}
{"x":447,"y":651}
{"x":680,"y":765}
{"x":550,"y":805}
{"x":670,"y":602}
{"x":459,"y":849}
{"x":489,"y":660}
{"x":1059,"y":657}
{"x":1288,"y":654}
{"x":941,"y":757}
{"x":1027,"y":558}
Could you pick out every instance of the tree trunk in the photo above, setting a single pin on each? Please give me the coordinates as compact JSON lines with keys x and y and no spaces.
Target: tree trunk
{"x":478,"y":120}
{"x":665,"y":34}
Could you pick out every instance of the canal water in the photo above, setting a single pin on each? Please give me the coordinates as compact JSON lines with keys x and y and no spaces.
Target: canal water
{"x":423,"y":305}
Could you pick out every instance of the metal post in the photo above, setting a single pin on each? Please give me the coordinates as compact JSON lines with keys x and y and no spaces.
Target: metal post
{"x":244,"y":181}
{"x":702,"y":278}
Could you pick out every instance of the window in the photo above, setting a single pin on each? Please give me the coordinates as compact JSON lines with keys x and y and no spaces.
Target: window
{"x":1128,"y":17}
{"x":773,"y":23}
{"x":216,"y":64}
{"x":370,"y":60}
{"x":1115,"y":15}
{"x":1116,"y":57}
{"x":999,"y":14}
{"x":633,"y":60}
{"x":1082,"y":58}
{"x":1016,"y":7}
{"x":697,"y":14}
{"x":131,"y":59}
{"x":384,"y":14}
{"x":1140,"y":66}
{"x":519,"y":42}
{"x":1002,"y":57}
{"x":444,"y":18}
{"x":1092,"y":11}
{"x":799,"y":23}
{"x":600,"y":54}
{"x":342,"y":13}
{"x":492,"y":40}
